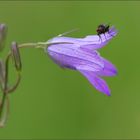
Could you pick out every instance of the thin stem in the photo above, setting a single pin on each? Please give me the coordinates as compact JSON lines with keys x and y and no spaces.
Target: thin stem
{"x":7,"y":62}
{"x":5,"y":110}
{"x":8,"y":90}
{"x":5,"y":84}
{"x":13,"y":88}
{"x":27,"y":45}
{"x":33,"y":45}
{"x":2,"y":104}
{"x":6,"y":69}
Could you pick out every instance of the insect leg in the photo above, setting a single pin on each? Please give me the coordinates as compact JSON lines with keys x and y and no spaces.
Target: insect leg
{"x":105,"y":36}
{"x":100,"y":39}
{"x":110,"y":34}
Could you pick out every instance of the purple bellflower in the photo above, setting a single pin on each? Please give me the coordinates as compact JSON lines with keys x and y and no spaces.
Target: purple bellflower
{"x":81,"y":54}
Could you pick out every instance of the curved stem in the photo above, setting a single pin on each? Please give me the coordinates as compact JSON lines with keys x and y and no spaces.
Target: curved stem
{"x":6,"y":89}
{"x":9,"y":90}
{"x":6,"y":70}
{"x":13,"y":88}
{"x":5,"y":84}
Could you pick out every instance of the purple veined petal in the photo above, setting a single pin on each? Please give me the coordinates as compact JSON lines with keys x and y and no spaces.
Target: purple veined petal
{"x":90,"y":39}
{"x":62,"y":40}
{"x":67,"y":56}
{"x":109,"y":35}
{"x":97,"y":82}
{"x":65,"y":61}
{"x":108,"y":70}
{"x":77,"y":41}
{"x":92,"y":47}
{"x":97,"y":42}
{"x":89,"y":42}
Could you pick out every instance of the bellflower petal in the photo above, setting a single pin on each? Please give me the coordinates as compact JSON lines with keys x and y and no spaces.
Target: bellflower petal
{"x":97,"y":82}
{"x":68,"y":40}
{"x":90,"y":42}
{"x":108,"y":70}
{"x":68,"y":56}
{"x":97,"y":42}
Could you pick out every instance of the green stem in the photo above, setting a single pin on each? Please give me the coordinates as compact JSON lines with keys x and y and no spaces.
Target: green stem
{"x":6,"y":71}
{"x":34,"y":45}
{"x":2,"y":104}
{"x":4,"y":110}
{"x":8,"y":90}
{"x":13,"y":88}
{"x":27,"y":45}
{"x":5,"y":85}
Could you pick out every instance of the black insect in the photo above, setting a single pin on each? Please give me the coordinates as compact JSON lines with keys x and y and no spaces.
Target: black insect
{"x":102,"y":29}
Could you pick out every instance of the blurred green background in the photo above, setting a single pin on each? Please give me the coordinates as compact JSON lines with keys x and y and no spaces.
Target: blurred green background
{"x":54,"y":103}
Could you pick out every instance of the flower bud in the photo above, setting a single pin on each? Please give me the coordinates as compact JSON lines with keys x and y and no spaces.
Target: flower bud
{"x":16,"y":56}
{"x":3,"y":33}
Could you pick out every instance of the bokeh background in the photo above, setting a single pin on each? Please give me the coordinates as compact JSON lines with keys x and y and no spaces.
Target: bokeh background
{"x":52,"y":103}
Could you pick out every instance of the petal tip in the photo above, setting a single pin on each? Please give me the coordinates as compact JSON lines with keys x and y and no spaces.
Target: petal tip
{"x":113,"y":31}
{"x":114,"y":72}
{"x":107,"y":92}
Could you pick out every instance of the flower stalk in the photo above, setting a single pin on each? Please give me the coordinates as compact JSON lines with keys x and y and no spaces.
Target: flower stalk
{"x":14,"y":54}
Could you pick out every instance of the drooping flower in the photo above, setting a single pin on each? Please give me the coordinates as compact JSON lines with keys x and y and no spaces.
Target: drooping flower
{"x":81,"y":54}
